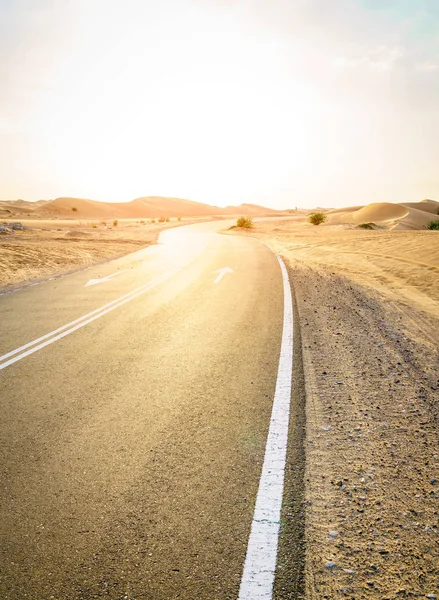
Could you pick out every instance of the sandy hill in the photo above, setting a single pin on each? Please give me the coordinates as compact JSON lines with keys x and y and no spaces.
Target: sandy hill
{"x":347,"y":209}
{"x":9,"y":209}
{"x":430,"y":206}
{"x":146,"y":207}
{"x":175,"y":207}
{"x":17,"y":207}
{"x":80,"y":207}
{"x":253,"y":210}
{"x":411,"y":215}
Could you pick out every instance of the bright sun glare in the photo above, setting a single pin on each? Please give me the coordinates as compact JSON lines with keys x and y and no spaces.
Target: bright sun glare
{"x":217,"y":101}
{"x":186,"y":117}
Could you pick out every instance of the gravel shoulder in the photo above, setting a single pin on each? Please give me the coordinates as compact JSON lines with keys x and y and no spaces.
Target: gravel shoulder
{"x":372,"y":455}
{"x":368,"y":308}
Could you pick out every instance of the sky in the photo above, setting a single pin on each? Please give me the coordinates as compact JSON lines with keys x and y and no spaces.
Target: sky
{"x":277,"y":102}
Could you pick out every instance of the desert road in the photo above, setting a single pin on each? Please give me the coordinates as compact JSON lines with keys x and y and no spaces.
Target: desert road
{"x":136,"y":401}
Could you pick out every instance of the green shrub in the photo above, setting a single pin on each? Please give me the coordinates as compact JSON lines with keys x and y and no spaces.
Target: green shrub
{"x":433,"y":225}
{"x":246,"y":222}
{"x":74,"y":209}
{"x":317,"y":217}
{"x":115,"y":222}
{"x":367,"y":225}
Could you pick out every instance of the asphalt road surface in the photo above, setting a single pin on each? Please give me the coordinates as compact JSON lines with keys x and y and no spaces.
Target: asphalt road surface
{"x":136,"y":399}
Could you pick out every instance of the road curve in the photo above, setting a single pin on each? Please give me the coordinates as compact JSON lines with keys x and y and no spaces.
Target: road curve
{"x":132,"y":444}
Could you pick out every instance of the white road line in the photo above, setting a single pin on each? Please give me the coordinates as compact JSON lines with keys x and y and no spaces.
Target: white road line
{"x":260,"y":562}
{"x":23,"y":351}
{"x":100,"y":313}
{"x":104,"y":279}
{"x":93,"y":312}
{"x":222,"y":272}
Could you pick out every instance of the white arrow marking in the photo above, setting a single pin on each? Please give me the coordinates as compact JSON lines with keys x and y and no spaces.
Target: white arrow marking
{"x":103,"y":279}
{"x":222,"y":272}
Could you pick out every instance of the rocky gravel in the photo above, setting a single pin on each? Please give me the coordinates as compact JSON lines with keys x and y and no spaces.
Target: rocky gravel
{"x":372,"y":441}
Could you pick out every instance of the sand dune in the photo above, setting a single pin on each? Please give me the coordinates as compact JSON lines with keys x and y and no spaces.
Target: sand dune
{"x":380,"y":211}
{"x":144,"y":207}
{"x":347,"y":209}
{"x":147,"y":207}
{"x":8,"y":207}
{"x":253,"y":210}
{"x":174,"y":207}
{"x":430,"y":206}
{"x":412,"y":215}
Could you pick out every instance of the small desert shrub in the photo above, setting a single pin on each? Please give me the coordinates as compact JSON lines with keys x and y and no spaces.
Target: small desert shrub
{"x":433,"y":225}
{"x":161,"y":219}
{"x":142,"y":222}
{"x":74,"y":209}
{"x":94,"y":226}
{"x":115,"y":222}
{"x":316,"y":218}
{"x":246,"y":222}
{"x":152,"y":221}
{"x":178,"y":218}
{"x":367,"y":225}
{"x":167,"y":219}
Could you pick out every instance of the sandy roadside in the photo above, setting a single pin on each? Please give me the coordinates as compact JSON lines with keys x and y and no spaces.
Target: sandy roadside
{"x":402,"y":265}
{"x":368,"y":304}
{"x":52,"y":247}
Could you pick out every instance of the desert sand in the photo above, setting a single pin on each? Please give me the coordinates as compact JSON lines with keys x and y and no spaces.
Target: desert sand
{"x":50,"y":247}
{"x":399,"y":258}
{"x":407,"y":216}
{"x":403,"y":265}
{"x":368,"y":307}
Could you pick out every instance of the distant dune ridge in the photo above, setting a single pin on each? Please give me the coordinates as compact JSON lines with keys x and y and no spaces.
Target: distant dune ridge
{"x":145,"y":207}
{"x":404,"y":216}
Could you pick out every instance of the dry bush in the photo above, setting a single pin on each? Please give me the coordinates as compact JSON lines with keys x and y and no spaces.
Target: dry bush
{"x":316,"y":218}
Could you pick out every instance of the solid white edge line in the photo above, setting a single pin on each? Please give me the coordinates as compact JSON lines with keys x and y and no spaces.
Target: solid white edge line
{"x":260,"y":562}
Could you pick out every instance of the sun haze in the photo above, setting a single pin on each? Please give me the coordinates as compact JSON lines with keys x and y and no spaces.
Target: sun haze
{"x":282,"y":103}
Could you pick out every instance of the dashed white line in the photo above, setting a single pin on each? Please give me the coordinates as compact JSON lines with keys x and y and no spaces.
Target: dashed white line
{"x":260,"y":562}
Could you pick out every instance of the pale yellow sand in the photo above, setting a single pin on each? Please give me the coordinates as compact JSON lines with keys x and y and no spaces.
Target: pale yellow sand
{"x":413,"y":215}
{"x":403,"y":265}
